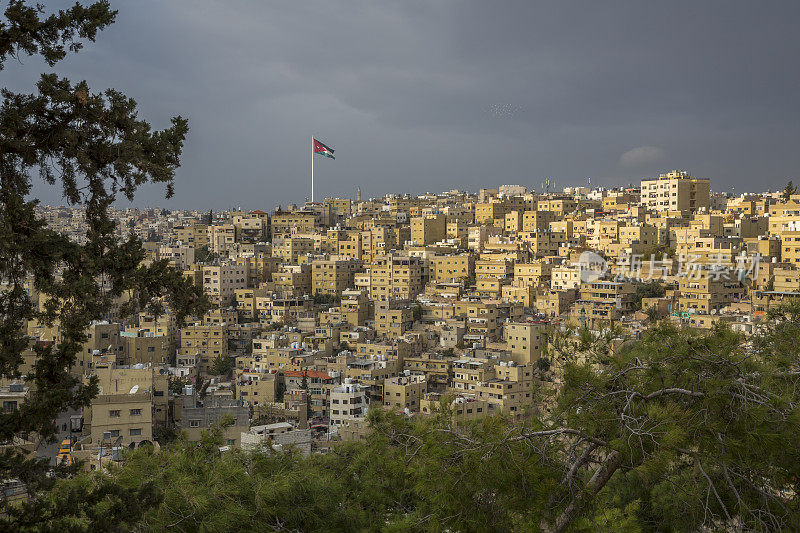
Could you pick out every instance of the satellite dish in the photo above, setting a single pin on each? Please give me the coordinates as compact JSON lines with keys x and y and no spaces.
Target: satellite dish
{"x":134,"y":389}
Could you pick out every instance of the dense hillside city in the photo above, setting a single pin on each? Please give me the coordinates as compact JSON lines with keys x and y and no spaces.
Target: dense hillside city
{"x":521,"y":358}
{"x":323,"y":311}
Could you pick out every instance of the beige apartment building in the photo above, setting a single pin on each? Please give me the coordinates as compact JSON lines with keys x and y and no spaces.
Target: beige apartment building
{"x":350,"y":246}
{"x":355,"y":307}
{"x":638,"y":238}
{"x":543,"y":243}
{"x":252,"y":227}
{"x":428,"y":229}
{"x":602,"y":303}
{"x":130,"y":402}
{"x":200,"y":345}
{"x":102,"y":338}
{"x":790,"y":252}
{"x":257,"y":388}
{"x":488,"y":212}
{"x":124,"y":419}
{"x":195,"y":235}
{"x":373,"y":374}
{"x":395,"y":276}
{"x":333,"y":276}
{"x":246,"y":300}
{"x":565,"y":278}
{"x":458,"y":231}
{"x":194,"y":418}
{"x":533,"y":221}
{"x":222,"y":239}
{"x":705,"y":292}
{"x":290,"y":248}
{"x":180,"y":256}
{"x":786,"y":280}
{"x":220,"y":282}
{"x":142,"y":347}
{"x":446,"y":268}
{"x":287,"y":222}
{"x":616,"y":293}
{"x":559,"y":205}
{"x":293,"y":280}
{"x":397,"y":350}
{"x":478,"y":236}
{"x":436,"y":368}
{"x":468,"y":372}
{"x":341,"y":208}
{"x":392,"y":321}
{"x":553,"y":303}
{"x":503,"y":396}
{"x":513,"y":221}
{"x":481,"y":320}
{"x":404,"y":392}
{"x":259,"y":267}
{"x":532,"y":274}
{"x":378,"y":240}
{"x":462,"y":408}
{"x":784,"y":216}
{"x":524,"y":340}
{"x":676,"y":191}
{"x":161,"y":325}
{"x":319,"y":386}
{"x":494,"y":268}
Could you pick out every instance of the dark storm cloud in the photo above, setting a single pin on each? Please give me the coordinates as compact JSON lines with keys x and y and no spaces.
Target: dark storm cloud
{"x":432,"y":95}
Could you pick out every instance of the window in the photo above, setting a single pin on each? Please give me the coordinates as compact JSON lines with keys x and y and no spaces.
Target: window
{"x":114,"y":413}
{"x":136,"y":412}
{"x":114,"y":433}
{"x":194,"y":423}
{"x":135,"y":432}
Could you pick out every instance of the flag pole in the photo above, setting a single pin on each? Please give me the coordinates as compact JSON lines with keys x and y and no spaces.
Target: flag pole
{"x":312,"y":169}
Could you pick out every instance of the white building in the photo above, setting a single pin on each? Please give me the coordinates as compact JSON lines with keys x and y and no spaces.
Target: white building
{"x":348,"y":402}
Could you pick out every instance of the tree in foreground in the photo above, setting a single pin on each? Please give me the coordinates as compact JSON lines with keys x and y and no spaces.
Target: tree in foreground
{"x":93,"y":147}
{"x":789,"y":191}
{"x":679,"y":431}
{"x":221,"y":366}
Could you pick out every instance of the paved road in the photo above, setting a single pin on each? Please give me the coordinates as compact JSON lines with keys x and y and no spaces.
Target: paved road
{"x":50,"y":450}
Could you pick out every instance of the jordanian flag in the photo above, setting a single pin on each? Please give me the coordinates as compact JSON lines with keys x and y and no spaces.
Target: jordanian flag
{"x":320,"y":148}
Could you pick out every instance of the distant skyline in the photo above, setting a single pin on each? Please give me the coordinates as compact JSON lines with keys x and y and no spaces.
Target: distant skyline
{"x":429,"y":96}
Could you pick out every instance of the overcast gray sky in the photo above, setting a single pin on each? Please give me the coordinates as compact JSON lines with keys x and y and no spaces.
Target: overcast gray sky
{"x":419,"y":96}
